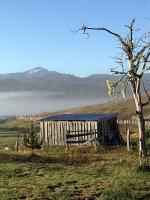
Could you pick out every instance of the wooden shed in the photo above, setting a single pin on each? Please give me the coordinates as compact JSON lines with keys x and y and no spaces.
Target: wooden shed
{"x":80,"y":129}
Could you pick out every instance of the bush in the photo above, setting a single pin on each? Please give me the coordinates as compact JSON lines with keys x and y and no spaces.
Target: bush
{"x":32,"y":140}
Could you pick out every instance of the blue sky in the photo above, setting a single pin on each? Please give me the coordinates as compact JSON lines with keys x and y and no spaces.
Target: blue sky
{"x":38,"y":33}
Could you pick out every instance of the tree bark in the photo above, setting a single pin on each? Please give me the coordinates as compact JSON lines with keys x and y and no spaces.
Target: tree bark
{"x":141,"y":127}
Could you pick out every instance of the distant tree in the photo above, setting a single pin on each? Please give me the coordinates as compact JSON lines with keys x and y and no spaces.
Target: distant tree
{"x":132,"y":64}
{"x":32,"y":139}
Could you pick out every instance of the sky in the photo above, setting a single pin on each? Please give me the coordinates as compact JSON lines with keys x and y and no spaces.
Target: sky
{"x":39,"y":33}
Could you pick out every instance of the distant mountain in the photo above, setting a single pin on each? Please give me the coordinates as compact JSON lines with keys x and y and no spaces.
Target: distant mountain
{"x":62,"y":85}
{"x":37,"y":72}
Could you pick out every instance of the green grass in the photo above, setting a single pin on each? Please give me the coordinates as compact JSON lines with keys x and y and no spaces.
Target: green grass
{"x":8,"y":139}
{"x":81,"y":173}
{"x":17,"y":124}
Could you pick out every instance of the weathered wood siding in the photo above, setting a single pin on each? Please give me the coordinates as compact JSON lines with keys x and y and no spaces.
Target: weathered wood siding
{"x":54,"y":132}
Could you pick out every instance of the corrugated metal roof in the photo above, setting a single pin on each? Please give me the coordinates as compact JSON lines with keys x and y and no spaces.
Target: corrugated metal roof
{"x":79,"y":117}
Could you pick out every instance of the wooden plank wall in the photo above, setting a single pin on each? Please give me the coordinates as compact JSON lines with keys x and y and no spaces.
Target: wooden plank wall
{"x":54,"y":132}
{"x":107,"y":127}
{"x":81,"y":132}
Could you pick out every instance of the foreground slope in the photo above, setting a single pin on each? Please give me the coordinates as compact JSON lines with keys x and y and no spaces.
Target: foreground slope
{"x":105,"y":175}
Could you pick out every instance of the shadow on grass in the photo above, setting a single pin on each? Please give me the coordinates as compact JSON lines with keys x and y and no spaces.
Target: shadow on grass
{"x":144,"y":169}
{"x":75,"y":156}
{"x":16,"y":157}
{"x":64,"y":158}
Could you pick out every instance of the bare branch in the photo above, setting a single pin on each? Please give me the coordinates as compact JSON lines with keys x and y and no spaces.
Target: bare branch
{"x":118,"y":81}
{"x":147,"y":68}
{"x":117,"y":72}
{"x":139,"y":53}
{"x":145,"y":58}
{"x":148,"y":96}
{"x":85,"y":28}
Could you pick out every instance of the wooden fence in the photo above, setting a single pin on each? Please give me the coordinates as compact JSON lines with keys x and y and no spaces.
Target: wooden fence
{"x":76,"y":138}
{"x":132,"y":122}
{"x":119,"y":121}
{"x":29,"y":117}
{"x":73,"y":138}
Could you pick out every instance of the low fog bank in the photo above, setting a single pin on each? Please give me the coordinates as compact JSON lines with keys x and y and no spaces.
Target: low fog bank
{"x":33,"y":102}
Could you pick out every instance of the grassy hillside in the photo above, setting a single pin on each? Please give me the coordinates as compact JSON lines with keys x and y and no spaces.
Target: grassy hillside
{"x":124,"y":108}
{"x":17,"y":124}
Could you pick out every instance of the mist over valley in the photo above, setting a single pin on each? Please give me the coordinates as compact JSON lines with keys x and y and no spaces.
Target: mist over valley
{"x":39,"y":90}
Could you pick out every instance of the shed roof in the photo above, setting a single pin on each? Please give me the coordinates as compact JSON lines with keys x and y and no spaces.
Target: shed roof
{"x":80,"y":117}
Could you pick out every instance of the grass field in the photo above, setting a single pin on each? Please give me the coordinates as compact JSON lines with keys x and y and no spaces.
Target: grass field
{"x":17,"y":124}
{"x":82,"y":173}
{"x":112,"y":174}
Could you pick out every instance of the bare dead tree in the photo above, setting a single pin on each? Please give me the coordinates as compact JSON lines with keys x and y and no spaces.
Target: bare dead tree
{"x":133,"y":63}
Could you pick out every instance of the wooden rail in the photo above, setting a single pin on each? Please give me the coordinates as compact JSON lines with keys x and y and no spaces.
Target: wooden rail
{"x":74,"y":138}
{"x":68,"y":135}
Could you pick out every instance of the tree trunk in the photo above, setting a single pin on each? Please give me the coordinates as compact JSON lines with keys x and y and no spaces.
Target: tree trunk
{"x":141,"y":127}
{"x":142,"y":140}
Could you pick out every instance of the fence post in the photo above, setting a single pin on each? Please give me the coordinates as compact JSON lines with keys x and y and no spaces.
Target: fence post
{"x":128,"y":139}
{"x":17,"y":143}
{"x":95,"y":139}
{"x":67,"y":144}
{"x":126,"y":125}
